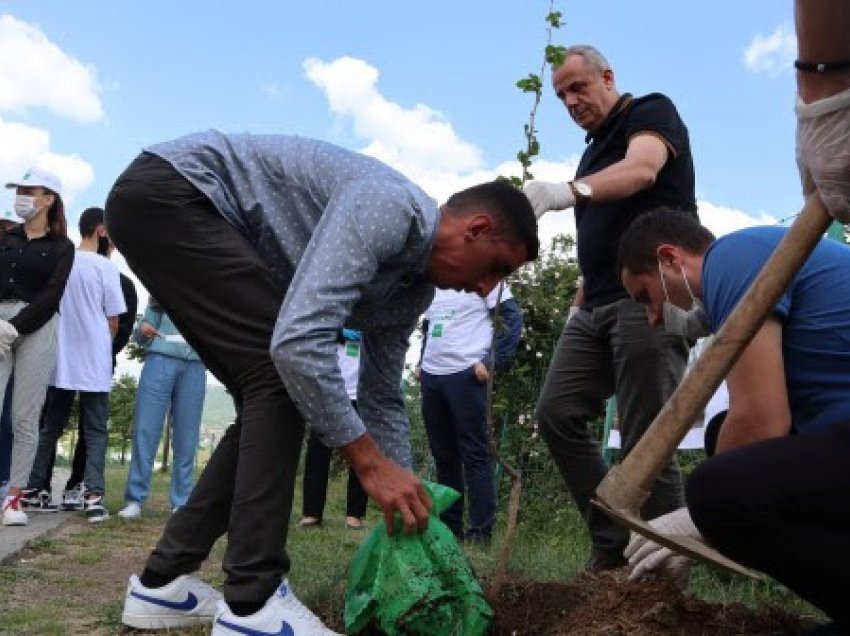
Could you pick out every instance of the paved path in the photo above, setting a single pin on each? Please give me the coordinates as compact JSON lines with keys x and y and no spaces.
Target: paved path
{"x":14,"y":538}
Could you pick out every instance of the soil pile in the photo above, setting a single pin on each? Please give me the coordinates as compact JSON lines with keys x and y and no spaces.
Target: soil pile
{"x":607,"y":603}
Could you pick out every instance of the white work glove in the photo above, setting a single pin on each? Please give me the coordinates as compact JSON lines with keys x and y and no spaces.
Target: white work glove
{"x":647,"y":557}
{"x":545,"y":196}
{"x":823,"y":150}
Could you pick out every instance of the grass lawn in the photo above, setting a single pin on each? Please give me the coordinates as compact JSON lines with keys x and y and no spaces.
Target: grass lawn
{"x":73,"y":581}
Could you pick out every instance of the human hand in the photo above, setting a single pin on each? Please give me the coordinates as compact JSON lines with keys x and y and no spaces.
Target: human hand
{"x":482,"y":373}
{"x":647,"y":557}
{"x":823,"y":150}
{"x":147,"y":330}
{"x":8,"y":334}
{"x":392,"y":487}
{"x":545,"y":196}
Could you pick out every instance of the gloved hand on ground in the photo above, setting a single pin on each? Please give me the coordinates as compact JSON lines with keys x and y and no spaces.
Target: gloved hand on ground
{"x":545,"y":196}
{"x":647,"y":557}
{"x":823,"y":150}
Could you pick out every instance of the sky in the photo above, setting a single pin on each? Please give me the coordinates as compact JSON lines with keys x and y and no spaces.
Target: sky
{"x":429,"y":88}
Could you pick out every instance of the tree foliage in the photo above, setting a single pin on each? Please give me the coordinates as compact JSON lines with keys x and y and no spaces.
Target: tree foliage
{"x":122,"y":402}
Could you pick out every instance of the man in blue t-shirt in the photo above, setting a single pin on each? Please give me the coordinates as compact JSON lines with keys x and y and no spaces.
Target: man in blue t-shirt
{"x":775,"y":495}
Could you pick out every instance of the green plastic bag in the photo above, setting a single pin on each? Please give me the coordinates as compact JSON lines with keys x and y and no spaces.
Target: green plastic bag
{"x":417,"y":584}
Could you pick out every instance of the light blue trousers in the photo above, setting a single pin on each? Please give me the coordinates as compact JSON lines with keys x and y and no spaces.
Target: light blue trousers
{"x":181,"y":385}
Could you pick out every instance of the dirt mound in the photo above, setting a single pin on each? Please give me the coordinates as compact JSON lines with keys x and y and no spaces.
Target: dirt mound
{"x":607,"y":603}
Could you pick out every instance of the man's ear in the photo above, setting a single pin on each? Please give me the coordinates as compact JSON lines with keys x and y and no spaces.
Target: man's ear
{"x":478,"y":226}
{"x":668,"y":255}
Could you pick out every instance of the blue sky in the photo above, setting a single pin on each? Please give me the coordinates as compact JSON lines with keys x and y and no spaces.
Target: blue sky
{"x":427,"y":87}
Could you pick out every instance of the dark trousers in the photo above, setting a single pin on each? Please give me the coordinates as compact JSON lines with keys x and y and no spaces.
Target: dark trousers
{"x":782,"y":506}
{"x":317,"y":464}
{"x":78,"y":460}
{"x":7,"y":436}
{"x":454,"y":410}
{"x":94,"y":409}
{"x":610,"y":350}
{"x":216,"y":289}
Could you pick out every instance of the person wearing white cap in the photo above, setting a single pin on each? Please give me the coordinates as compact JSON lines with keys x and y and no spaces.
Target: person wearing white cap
{"x":35,"y":260}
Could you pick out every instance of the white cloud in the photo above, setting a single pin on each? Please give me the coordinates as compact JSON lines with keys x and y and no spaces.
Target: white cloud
{"x":417,"y":141}
{"x":36,"y":72}
{"x":772,"y":54}
{"x":26,"y":146}
{"x":722,"y":220}
{"x":272,"y":90}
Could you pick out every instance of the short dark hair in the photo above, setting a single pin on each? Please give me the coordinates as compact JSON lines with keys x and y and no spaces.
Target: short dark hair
{"x":90,"y":219}
{"x":510,"y":207}
{"x":661,"y":225}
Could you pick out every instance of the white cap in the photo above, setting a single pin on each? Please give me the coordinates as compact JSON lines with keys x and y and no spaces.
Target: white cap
{"x":37,"y":177}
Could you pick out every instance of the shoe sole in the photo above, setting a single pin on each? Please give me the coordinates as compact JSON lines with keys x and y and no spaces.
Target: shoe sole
{"x":146,"y":621}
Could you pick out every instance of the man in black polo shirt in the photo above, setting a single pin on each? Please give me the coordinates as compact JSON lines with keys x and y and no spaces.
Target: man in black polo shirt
{"x":638,"y":158}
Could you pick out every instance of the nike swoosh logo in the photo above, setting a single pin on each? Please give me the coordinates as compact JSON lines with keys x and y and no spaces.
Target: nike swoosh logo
{"x":285,"y":629}
{"x":188,"y":605}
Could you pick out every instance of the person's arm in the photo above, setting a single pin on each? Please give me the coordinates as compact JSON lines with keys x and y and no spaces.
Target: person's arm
{"x":645,"y":157}
{"x":148,"y":325}
{"x":417,"y":369}
{"x":128,"y":318}
{"x":823,"y":36}
{"x":32,"y":317}
{"x":758,"y":396}
{"x":364,"y":225}
{"x":508,"y":337}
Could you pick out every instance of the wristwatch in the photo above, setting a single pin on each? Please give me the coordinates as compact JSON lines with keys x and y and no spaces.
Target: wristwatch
{"x":581,"y":191}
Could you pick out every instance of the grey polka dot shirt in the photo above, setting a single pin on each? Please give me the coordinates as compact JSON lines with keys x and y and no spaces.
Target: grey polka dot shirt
{"x":347,"y":238}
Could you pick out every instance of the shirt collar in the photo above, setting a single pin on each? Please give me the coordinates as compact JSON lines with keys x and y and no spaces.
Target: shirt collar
{"x":619,"y":106}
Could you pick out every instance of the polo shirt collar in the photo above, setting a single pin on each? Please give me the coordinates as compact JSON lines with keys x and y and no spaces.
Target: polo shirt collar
{"x":619,"y":106}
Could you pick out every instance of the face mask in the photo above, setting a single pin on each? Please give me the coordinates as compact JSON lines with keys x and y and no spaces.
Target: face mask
{"x":690,"y":323}
{"x":25,"y":206}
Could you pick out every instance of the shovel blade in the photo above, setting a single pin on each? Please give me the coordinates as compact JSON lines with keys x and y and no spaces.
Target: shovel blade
{"x":683,"y":545}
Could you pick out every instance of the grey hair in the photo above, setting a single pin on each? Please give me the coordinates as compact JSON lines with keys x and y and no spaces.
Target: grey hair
{"x":591,"y":56}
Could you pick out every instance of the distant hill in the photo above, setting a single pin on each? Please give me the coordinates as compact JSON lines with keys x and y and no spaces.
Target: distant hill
{"x":219,"y":411}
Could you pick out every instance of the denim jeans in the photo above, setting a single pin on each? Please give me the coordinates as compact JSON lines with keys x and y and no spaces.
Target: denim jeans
{"x":454,"y":410}
{"x":181,"y":385}
{"x":94,"y":409}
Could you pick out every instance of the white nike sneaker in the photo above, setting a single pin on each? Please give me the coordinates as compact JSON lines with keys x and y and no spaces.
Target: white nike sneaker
{"x":183,"y":602}
{"x":282,"y":615}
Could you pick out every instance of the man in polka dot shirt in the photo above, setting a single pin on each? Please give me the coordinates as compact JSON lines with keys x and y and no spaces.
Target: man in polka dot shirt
{"x":260,"y":248}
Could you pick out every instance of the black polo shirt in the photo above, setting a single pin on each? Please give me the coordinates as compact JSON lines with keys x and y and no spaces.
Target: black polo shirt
{"x":34,"y":271}
{"x":600,"y":225}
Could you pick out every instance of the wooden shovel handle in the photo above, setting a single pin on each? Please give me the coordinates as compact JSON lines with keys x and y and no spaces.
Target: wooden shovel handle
{"x":627,"y":486}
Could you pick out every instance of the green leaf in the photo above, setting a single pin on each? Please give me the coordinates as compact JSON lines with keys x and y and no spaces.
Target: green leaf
{"x":555,"y":54}
{"x":554,"y":19}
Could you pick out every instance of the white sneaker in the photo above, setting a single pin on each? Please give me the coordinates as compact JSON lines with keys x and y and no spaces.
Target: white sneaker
{"x":283,"y":613}
{"x":12,"y":513}
{"x":183,"y":602}
{"x":73,"y":499}
{"x":131,"y":511}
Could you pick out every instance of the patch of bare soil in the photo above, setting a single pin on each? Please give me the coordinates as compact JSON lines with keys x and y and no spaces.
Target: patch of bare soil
{"x":607,"y":603}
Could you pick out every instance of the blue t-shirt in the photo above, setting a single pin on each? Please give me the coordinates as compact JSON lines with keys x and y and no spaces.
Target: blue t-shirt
{"x":814,"y":312}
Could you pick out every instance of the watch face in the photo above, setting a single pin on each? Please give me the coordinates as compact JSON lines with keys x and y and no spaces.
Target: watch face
{"x":582,"y":188}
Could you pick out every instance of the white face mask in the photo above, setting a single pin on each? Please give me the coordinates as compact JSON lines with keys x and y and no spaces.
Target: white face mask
{"x":25,"y":206}
{"x":690,"y":323}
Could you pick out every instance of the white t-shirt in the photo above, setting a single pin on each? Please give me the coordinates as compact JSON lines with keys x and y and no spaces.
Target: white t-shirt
{"x":84,"y":344}
{"x":348,"y":357}
{"x":459,"y":330}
